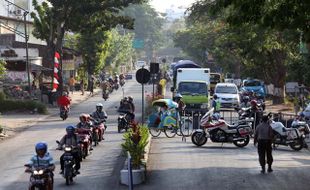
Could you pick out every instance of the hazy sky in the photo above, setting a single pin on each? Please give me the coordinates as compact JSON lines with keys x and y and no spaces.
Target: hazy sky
{"x":162,"y":5}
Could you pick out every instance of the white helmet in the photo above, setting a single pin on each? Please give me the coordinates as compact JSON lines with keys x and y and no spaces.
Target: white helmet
{"x":99,"y":105}
{"x":178,"y":95}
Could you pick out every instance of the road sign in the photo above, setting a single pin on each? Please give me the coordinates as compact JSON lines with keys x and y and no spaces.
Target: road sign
{"x":143,"y":76}
{"x":154,"y":68}
{"x":138,"y":43}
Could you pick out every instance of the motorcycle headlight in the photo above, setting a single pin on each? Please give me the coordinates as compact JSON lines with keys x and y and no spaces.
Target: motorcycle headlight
{"x":38,"y":172}
{"x":204,"y":106}
{"x":68,"y":149}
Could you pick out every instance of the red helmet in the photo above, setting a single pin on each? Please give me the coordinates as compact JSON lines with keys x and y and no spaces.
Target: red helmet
{"x":253,"y":103}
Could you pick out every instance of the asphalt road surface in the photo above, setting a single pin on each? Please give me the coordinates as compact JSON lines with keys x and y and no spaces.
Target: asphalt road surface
{"x":99,"y":171}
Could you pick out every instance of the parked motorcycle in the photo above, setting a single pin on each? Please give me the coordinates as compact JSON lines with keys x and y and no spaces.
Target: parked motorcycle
{"x":63,"y":113}
{"x":221,"y":132}
{"x":39,"y":178}
{"x":123,"y":122}
{"x":85,"y":141}
{"x":69,"y":164}
{"x":292,"y":137}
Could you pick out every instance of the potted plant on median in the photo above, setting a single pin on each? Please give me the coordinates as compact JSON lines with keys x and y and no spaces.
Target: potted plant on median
{"x":135,"y":143}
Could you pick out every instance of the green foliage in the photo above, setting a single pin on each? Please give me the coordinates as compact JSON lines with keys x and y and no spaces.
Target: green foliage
{"x":2,"y":96}
{"x":136,"y":150}
{"x":2,"y":68}
{"x":22,"y":105}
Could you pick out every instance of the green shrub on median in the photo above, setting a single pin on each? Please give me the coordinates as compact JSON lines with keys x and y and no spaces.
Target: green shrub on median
{"x":135,"y":143}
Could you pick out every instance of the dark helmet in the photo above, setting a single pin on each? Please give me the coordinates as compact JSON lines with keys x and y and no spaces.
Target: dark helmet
{"x":214,"y":96}
{"x":99,"y":107}
{"x":41,"y":146}
{"x":265,"y":118}
{"x":70,"y":130}
{"x":253,"y":103}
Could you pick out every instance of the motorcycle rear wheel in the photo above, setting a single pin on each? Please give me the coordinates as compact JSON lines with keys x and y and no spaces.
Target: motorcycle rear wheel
{"x":243,"y":143}
{"x":155,"y":132}
{"x":297,"y":145}
{"x":170,"y":132}
{"x":199,"y":138}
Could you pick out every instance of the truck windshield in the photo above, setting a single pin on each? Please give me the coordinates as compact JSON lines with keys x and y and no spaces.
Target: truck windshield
{"x":226,"y":90}
{"x":252,"y":83}
{"x":186,"y":88}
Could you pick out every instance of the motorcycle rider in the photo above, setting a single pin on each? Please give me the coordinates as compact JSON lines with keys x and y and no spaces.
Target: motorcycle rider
{"x":86,"y":124}
{"x":64,"y":101}
{"x":71,"y":139}
{"x":127,"y":107}
{"x":42,"y":159}
{"x":181,"y":105}
{"x":99,"y":115}
{"x":246,"y":102}
{"x":263,"y":137}
{"x":132,"y":111}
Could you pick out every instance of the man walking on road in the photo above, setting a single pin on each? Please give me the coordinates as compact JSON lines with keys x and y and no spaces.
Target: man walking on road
{"x":263,"y":136}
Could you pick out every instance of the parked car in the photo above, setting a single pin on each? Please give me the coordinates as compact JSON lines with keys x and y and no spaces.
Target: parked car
{"x":227,"y":94}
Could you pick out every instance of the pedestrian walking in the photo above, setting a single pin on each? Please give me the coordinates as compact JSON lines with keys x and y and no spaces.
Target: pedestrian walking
{"x":82,"y":86}
{"x":91,"y":85}
{"x":263,"y":137}
{"x":72,"y":83}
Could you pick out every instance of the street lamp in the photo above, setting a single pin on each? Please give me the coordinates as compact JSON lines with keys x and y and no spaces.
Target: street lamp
{"x":26,"y":41}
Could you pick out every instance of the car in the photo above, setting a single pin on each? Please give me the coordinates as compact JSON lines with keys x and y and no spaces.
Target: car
{"x":256,"y":86}
{"x":228,"y":95}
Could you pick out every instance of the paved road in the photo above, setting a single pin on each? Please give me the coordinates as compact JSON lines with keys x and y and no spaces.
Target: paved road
{"x":180,"y":165}
{"x":99,"y":171}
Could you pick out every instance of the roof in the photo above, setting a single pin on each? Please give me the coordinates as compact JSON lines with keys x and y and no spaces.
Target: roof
{"x":226,"y":84}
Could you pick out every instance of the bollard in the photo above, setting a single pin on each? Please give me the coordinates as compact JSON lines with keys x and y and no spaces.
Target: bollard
{"x":130,"y":181}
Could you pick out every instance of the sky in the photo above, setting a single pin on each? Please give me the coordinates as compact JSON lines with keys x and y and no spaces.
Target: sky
{"x":162,"y":5}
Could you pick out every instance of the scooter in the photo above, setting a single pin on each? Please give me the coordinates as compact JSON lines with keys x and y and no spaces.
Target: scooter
{"x":69,"y":164}
{"x":99,"y":128}
{"x":85,"y":141}
{"x":122,"y":82}
{"x":39,"y":177}
{"x":123,"y":122}
{"x":105,"y":95}
{"x":221,"y":132}
{"x":63,"y":113}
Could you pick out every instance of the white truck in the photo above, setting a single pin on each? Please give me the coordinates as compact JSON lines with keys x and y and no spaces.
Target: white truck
{"x":194,"y":85}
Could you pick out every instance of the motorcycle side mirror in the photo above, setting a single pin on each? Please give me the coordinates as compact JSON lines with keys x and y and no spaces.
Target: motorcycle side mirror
{"x":27,"y":165}
{"x":57,"y":142}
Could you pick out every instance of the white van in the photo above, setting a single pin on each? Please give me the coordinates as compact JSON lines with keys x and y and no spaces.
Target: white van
{"x":140,"y":64}
{"x":227,"y":94}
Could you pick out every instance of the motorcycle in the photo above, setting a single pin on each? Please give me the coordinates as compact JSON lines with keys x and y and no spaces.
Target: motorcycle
{"x":293,"y":137}
{"x":123,"y":122}
{"x":221,"y":132}
{"x":105,"y":95}
{"x":69,"y":163}
{"x":116,"y":84}
{"x":99,"y":128}
{"x":85,"y":141}
{"x":63,"y":113}
{"x":39,"y":178}
{"x":122,"y":82}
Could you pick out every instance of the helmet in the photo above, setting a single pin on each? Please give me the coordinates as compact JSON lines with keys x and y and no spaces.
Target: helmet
{"x":246,"y":98}
{"x":130,"y":98}
{"x":41,"y":146}
{"x":70,"y":130}
{"x":99,"y":107}
{"x":125,"y":98}
{"x":215,"y":96}
{"x":253,"y":103}
{"x":178,"y":95}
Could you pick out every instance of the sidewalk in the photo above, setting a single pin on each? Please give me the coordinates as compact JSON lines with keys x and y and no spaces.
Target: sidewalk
{"x":15,"y":122}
